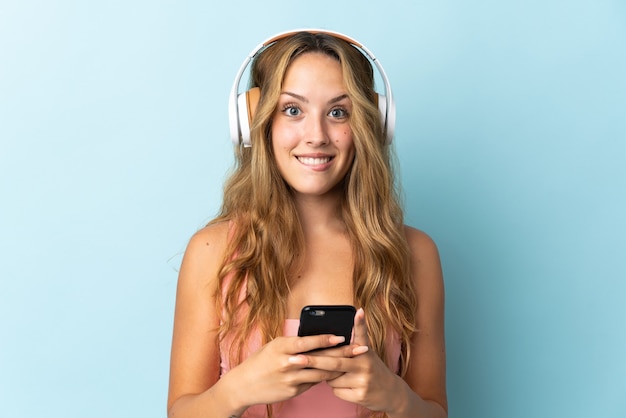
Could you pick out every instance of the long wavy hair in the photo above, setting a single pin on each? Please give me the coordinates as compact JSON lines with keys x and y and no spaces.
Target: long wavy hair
{"x":266,"y":243}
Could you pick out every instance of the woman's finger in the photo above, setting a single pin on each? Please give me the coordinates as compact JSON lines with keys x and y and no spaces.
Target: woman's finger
{"x":343,"y":351}
{"x":360,"y":329}
{"x":296,"y":345}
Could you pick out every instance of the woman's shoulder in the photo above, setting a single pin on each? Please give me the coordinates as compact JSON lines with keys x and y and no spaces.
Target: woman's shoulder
{"x":213,"y":235}
{"x":420,"y":242}
{"x":205,"y":251}
{"x":425,"y":261}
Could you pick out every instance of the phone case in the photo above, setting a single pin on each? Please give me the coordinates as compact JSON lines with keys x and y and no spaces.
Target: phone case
{"x":327,"y":319}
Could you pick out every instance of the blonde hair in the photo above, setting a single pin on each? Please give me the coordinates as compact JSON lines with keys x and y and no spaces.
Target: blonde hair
{"x":266,"y":241}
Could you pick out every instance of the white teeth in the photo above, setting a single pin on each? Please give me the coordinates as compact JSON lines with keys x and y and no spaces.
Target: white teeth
{"x":313,"y":161}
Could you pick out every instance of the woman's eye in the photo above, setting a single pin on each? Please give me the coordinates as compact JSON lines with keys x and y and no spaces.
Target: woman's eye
{"x":291,"y":110}
{"x":338,"y":112}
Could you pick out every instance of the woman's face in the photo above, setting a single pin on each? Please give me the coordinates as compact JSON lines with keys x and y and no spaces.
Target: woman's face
{"x":311,"y":134}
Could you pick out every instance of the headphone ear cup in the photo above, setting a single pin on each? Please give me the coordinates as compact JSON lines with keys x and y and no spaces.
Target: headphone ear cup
{"x":247,"y":103}
{"x":381,"y":101}
{"x":387,"y":117}
{"x":382,"y":109}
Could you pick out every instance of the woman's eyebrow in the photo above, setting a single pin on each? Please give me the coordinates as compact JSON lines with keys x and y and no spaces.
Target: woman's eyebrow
{"x":294,"y":95}
{"x":338,"y":99}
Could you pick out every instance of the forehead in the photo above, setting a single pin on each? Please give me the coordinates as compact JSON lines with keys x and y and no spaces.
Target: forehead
{"x":315,"y":69}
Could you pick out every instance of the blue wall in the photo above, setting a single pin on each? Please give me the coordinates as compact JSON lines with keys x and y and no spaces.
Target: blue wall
{"x":511,"y":137}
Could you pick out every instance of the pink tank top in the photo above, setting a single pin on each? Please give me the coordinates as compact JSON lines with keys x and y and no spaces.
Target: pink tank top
{"x":319,"y":400}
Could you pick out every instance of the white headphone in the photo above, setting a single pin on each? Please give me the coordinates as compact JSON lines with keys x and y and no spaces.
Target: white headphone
{"x":241,"y":106}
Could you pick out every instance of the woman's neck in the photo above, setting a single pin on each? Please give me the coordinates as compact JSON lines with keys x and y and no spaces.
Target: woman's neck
{"x":319,"y":212}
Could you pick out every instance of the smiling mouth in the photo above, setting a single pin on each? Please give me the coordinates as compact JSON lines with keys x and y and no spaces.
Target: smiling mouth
{"x":314,"y":161}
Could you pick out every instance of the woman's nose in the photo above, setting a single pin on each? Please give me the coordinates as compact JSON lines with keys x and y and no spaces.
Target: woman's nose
{"x":316,"y":132}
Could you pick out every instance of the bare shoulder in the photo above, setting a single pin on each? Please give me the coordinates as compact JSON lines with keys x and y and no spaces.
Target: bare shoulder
{"x":425,"y":264}
{"x":205,"y":253}
{"x":423,"y":247}
{"x":213,"y":235}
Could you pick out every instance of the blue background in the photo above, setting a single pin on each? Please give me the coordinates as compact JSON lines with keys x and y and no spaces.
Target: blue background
{"x":511,"y":138}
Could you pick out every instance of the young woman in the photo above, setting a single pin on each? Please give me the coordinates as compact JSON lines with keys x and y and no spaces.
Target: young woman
{"x":310,"y":216}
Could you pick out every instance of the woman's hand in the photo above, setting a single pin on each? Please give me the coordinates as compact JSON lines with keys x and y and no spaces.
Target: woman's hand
{"x":363,"y":377}
{"x":277,"y":372}
{"x":366,"y":380}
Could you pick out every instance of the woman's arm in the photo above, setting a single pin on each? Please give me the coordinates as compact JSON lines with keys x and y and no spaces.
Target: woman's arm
{"x":426,"y":394}
{"x":195,"y":361}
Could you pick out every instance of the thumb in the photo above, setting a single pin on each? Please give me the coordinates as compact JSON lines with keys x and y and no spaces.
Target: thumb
{"x":360,"y":329}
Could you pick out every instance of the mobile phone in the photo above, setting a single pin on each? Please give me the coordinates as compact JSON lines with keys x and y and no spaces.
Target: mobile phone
{"x":327,"y":319}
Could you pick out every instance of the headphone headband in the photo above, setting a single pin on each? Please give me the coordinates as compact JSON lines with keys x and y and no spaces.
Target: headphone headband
{"x":239,"y":104}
